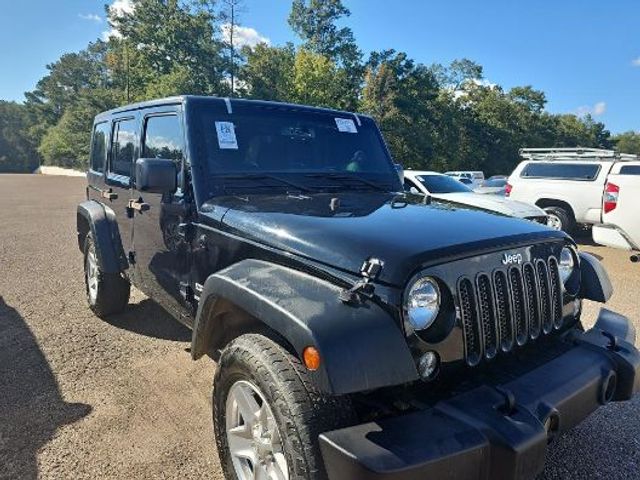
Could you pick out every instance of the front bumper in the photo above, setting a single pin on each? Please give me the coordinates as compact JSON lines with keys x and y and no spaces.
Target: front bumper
{"x":494,"y":431}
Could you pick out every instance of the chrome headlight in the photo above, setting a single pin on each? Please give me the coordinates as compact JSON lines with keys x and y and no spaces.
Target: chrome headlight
{"x":422,"y":303}
{"x":566,"y":264}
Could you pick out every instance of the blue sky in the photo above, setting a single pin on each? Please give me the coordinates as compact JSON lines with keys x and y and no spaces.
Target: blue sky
{"x":585,"y":54}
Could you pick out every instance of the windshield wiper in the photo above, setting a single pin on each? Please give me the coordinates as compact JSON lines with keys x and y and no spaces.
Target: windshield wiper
{"x":265,"y":176}
{"x":342,"y":176}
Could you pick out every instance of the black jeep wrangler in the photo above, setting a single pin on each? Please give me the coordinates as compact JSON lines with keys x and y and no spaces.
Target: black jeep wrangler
{"x":360,"y":332}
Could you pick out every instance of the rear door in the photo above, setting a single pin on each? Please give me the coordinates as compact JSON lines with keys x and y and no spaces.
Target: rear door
{"x":118,"y":179}
{"x":161,"y":252}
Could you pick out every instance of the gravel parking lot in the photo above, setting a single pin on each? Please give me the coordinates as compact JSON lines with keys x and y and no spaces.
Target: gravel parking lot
{"x":82,"y":397}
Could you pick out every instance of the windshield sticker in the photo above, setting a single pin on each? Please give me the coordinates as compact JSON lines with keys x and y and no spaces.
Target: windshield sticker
{"x":226,"y":136}
{"x":346,"y":125}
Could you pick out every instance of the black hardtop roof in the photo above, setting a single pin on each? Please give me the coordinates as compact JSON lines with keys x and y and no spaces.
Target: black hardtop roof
{"x":182,"y":99}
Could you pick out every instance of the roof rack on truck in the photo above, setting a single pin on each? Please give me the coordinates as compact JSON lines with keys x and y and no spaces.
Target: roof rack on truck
{"x":577,"y":153}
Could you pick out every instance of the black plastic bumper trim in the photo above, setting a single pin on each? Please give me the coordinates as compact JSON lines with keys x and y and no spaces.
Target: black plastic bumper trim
{"x":476,"y":435}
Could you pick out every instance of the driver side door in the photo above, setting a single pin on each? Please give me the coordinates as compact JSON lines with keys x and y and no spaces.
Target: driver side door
{"x":162,"y":255}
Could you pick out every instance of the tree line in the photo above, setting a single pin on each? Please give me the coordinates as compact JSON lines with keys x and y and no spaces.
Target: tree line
{"x":441,"y":117}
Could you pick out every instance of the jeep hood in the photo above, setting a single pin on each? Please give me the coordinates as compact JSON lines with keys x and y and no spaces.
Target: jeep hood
{"x":405,"y":231}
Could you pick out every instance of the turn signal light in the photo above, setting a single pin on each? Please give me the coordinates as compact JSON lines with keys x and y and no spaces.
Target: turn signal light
{"x":311,"y":358}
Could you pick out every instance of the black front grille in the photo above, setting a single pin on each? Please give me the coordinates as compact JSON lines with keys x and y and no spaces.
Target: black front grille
{"x":510,"y":307}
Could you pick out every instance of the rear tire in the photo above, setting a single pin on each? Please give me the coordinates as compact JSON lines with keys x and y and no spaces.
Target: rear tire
{"x":107,"y":293}
{"x":560,"y":219}
{"x":301,"y":413}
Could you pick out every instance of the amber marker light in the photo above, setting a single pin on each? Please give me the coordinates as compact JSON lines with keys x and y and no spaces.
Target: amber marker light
{"x":311,"y":358}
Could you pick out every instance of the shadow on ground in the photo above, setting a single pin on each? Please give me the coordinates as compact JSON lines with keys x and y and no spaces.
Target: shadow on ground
{"x":31,"y":406}
{"x":151,"y":320}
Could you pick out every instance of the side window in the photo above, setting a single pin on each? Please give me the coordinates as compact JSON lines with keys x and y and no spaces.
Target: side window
{"x":123,"y":147}
{"x":99,"y":146}
{"x":163,"y":138}
{"x":561,"y":171}
{"x":630,"y":170}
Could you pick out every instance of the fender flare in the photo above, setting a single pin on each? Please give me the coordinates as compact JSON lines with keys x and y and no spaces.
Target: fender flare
{"x":362,"y":347}
{"x":595,"y":283}
{"x":101,"y":220}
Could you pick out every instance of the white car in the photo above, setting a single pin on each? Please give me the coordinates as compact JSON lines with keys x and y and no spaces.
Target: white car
{"x":568,"y":183}
{"x":473,"y":179}
{"x":448,"y":188}
{"x":620,"y":226}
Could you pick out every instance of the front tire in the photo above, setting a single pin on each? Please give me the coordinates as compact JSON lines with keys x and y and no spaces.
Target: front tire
{"x":267,"y":416}
{"x":107,"y":293}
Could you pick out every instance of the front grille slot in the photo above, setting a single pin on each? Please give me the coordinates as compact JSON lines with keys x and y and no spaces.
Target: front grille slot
{"x":486,"y":312}
{"x":545,"y":296}
{"x":519,"y":307}
{"x":556,"y":292}
{"x":503,"y":310}
{"x":469,"y":315}
{"x":509,"y":307}
{"x":531,"y":299}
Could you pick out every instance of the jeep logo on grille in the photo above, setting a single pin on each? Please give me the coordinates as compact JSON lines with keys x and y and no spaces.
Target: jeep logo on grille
{"x":511,"y":258}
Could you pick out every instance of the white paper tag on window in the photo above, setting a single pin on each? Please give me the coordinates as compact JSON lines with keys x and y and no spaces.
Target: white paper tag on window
{"x":226,"y":136}
{"x":346,"y":125}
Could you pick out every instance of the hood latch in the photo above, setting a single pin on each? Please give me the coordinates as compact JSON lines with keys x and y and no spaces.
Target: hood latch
{"x":364,"y":288}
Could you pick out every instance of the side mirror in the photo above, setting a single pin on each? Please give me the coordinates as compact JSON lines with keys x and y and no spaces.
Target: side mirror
{"x":414,"y":190}
{"x":156,"y":175}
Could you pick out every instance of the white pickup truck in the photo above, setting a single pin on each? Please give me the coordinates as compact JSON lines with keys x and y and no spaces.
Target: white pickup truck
{"x":568,"y":183}
{"x":620,"y":226}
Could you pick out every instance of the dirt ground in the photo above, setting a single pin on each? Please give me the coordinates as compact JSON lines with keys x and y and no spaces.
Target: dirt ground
{"x":82,"y":397}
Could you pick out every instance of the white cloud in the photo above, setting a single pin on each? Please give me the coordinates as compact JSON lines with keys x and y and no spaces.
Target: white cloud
{"x":121,"y":6}
{"x":636,"y":62}
{"x":596,"y":110}
{"x":243,"y":36}
{"x":599,"y":108}
{"x":118,"y":7}
{"x":91,"y":17}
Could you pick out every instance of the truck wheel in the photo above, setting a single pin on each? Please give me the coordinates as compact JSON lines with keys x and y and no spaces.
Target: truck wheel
{"x":267,"y":416}
{"x":560,"y":219}
{"x":107,"y":293}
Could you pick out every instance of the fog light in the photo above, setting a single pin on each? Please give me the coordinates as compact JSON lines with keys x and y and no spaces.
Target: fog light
{"x":428,"y":366}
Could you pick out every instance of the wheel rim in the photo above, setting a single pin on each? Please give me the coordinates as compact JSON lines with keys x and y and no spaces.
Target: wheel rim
{"x":92,"y":276}
{"x":554,"y":221}
{"x":253,"y":437}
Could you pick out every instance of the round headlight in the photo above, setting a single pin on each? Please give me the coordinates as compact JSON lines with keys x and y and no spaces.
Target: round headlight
{"x":567,"y":264}
{"x":422,"y":303}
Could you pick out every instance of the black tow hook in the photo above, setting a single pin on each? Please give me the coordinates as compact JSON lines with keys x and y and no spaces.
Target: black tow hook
{"x":509,"y":406}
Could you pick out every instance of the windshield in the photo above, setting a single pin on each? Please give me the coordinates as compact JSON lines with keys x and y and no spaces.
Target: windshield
{"x":264,"y":148}
{"x":442,"y":184}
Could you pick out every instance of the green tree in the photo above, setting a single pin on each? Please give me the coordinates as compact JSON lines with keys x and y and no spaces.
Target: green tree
{"x":403,"y":98}
{"x":628,"y":142}
{"x":168,"y":37}
{"x":314,"y":80}
{"x":268,"y":72}
{"x":67,"y":144}
{"x":314,"y":21}
{"x":17,"y":151}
